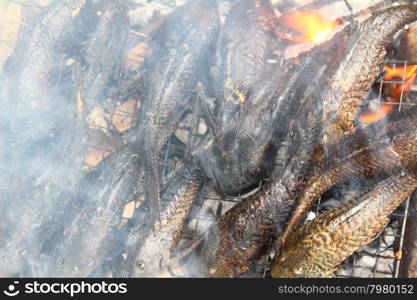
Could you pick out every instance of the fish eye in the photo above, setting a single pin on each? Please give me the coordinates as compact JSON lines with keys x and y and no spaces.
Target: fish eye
{"x":141,"y":265}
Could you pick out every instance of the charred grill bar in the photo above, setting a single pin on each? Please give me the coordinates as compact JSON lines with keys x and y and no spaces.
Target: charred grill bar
{"x":381,"y":258}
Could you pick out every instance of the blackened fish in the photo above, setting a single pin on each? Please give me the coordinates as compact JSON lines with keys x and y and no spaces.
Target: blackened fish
{"x":177,"y":51}
{"x":32,"y":75}
{"x":103,"y":54}
{"x":243,"y":130}
{"x":91,"y":219}
{"x":245,"y":45}
{"x":235,"y":240}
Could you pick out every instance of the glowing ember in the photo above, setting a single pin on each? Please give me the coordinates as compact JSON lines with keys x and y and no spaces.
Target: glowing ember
{"x":393,"y":91}
{"x":311,"y":26}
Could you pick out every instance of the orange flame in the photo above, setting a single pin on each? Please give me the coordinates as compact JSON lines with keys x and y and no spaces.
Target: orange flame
{"x":400,"y":72}
{"x":372,"y":117}
{"x":394,"y":91}
{"x":310,"y":24}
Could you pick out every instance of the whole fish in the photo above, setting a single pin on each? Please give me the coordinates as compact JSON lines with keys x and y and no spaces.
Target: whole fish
{"x":234,"y":157}
{"x":235,"y":241}
{"x":177,"y":51}
{"x":383,"y":147}
{"x":31,"y":78}
{"x":90,"y":221}
{"x":245,"y":44}
{"x":103,"y":54}
{"x":152,"y":251}
{"x":353,"y":76}
{"x":34,"y":73}
{"x":319,"y":246}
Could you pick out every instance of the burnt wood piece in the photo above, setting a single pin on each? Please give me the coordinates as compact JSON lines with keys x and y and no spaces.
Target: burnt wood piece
{"x":177,"y":52}
{"x":353,"y":76}
{"x":319,"y":246}
{"x":408,"y":266}
{"x":384,"y":147}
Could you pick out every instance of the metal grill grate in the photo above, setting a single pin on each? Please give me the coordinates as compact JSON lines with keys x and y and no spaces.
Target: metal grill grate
{"x":381,"y":258}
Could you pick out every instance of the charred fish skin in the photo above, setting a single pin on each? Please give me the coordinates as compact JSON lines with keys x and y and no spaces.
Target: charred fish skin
{"x":318,"y":247}
{"x":353,"y":76}
{"x":104,"y":53}
{"x":234,"y":242}
{"x":177,"y":51}
{"x":382,"y":147}
{"x":155,"y":251}
{"x":39,"y":75}
{"x":246,"y":43}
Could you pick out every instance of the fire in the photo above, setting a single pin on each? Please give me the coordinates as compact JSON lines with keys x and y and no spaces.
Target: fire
{"x":311,"y":26}
{"x":372,"y":117}
{"x":400,"y":72}
{"x":393,"y":91}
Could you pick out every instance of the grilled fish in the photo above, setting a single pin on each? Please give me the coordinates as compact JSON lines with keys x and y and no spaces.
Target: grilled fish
{"x":318,"y":247}
{"x":90,"y":221}
{"x":33,"y":85}
{"x":177,"y":50}
{"x":153,"y":251}
{"x":103,"y":54}
{"x":236,"y":240}
{"x":233,"y":158}
{"x":32,"y":74}
{"x":382,"y":147}
{"x":353,"y":76}
{"x":244,"y":48}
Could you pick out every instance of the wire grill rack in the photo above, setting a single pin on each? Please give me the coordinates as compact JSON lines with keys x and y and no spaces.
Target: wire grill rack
{"x":381,"y":258}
